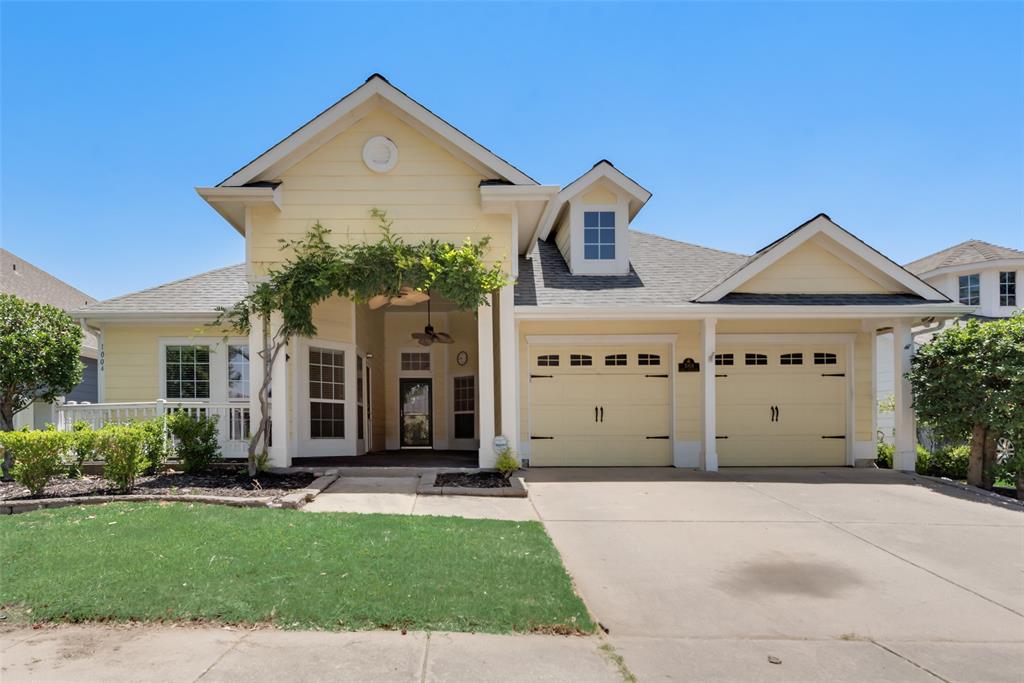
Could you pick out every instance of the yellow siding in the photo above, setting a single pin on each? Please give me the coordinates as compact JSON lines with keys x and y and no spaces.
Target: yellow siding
{"x":864,"y":386}
{"x":810,"y":269}
{"x":333,"y":319}
{"x":132,"y":358}
{"x":599,"y":195}
{"x":429,"y":194}
{"x":562,"y":234}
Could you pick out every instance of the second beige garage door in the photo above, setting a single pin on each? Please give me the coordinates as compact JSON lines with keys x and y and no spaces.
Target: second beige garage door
{"x":600,"y":406}
{"x":781,"y":405}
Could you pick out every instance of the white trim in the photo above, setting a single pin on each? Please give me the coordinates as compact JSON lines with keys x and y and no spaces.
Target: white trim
{"x":233,"y":203}
{"x":218,"y":366}
{"x":813,"y":338}
{"x":323,"y":127}
{"x":709,"y":400}
{"x":508,"y":345}
{"x":974,"y":266}
{"x":307,"y":445}
{"x":485,"y":372}
{"x":821,"y":225}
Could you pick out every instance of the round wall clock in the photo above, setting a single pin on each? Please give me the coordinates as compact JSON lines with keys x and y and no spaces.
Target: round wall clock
{"x":380,"y":154}
{"x":462,"y":358}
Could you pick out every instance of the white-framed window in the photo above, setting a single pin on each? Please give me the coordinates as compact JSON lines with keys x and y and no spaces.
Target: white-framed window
{"x":464,"y":403}
{"x":413,"y":361}
{"x":724,"y":359}
{"x":791,"y":359}
{"x":238,"y":372}
{"x":599,"y":235}
{"x":615,"y":359}
{"x":326,"y":393}
{"x":648,"y":359}
{"x":825,"y":358}
{"x":187,"y":371}
{"x":1008,"y":288}
{"x":755,"y":359}
{"x":970,"y":289}
{"x":548,"y":360}
{"x":580,"y":359}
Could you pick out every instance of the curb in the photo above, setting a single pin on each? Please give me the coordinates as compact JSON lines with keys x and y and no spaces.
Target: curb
{"x":297,"y":499}
{"x":973,"y":490}
{"x":14,"y":507}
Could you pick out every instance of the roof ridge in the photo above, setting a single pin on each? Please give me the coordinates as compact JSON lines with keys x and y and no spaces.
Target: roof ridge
{"x":168,"y":284}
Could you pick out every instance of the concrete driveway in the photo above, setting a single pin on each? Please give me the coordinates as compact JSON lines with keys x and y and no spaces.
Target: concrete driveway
{"x":841,"y":574}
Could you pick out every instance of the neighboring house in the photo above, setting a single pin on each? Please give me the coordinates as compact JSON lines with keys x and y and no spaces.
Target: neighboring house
{"x":615,"y":347}
{"x":21,"y":278}
{"x":975,"y":273}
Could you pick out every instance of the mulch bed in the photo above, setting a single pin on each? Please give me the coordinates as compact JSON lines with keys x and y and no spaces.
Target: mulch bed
{"x":218,"y":482}
{"x":473,"y":480}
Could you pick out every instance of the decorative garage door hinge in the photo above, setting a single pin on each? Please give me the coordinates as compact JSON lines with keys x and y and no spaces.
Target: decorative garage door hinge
{"x":838,"y":436}
{"x":721,"y":437}
{"x":833,"y":374}
{"x":541,"y":376}
{"x":658,"y":437}
{"x":545,"y":438}
{"x":721,"y":375}
{"x":666,"y":376}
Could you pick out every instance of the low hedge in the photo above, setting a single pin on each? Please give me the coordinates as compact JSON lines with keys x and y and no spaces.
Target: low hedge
{"x":38,"y":456}
{"x":944,"y":462}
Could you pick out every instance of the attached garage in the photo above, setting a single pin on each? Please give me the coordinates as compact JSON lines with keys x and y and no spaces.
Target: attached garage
{"x":607,"y":405}
{"x":782,"y":405}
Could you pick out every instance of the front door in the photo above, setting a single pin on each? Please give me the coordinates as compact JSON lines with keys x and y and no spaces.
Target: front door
{"x":416,"y":417}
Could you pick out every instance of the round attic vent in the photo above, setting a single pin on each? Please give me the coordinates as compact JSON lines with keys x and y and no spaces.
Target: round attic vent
{"x":380,"y":154}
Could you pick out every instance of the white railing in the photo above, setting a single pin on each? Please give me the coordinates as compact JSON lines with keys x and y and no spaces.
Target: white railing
{"x":232,"y":418}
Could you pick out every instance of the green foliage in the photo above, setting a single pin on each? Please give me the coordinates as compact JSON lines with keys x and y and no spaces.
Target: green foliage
{"x":38,"y":456}
{"x":262,"y":461}
{"x":39,"y":349}
{"x":950,"y":462}
{"x":156,"y":443}
{"x":972,"y":375}
{"x":317,"y":269}
{"x":196,"y":437}
{"x":506,"y":463}
{"x":83,"y":447}
{"x":883,"y":455}
{"x":124,"y":455}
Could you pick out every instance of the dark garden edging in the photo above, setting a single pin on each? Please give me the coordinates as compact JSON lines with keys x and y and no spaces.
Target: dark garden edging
{"x":427,"y":487}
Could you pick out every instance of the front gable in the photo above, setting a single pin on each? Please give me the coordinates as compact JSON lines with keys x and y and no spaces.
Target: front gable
{"x":820,"y":258}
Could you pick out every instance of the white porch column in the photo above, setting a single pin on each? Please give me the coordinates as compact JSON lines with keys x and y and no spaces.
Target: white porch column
{"x":280,"y":396}
{"x":485,"y":368}
{"x":709,"y":453}
{"x":905,"y":440}
{"x":508,"y":343}
{"x":255,"y":371}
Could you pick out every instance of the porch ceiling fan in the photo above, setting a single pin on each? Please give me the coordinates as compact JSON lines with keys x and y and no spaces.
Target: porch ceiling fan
{"x":428,"y":336}
{"x":407,"y":296}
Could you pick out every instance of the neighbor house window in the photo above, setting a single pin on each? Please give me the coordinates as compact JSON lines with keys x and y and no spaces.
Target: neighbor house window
{"x":824,"y":358}
{"x":723,"y":359}
{"x":548,"y":360}
{"x":416,"y":360}
{"x":187,"y":372}
{"x":648,"y":359}
{"x":756,"y":359}
{"x":615,"y":359}
{"x":465,"y":407}
{"x":238,"y":371}
{"x":580,"y":359}
{"x":599,"y":235}
{"x":326,"y":394}
{"x":791,"y":359}
{"x":1008,"y":288}
{"x":970,"y":289}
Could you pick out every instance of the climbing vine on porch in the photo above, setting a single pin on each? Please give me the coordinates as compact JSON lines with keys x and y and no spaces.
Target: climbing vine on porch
{"x":315,"y":270}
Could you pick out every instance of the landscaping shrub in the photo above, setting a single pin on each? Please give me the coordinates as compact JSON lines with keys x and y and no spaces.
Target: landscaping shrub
{"x":883,"y":455}
{"x":196,"y":438}
{"x":82,"y":447}
{"x":156,"y":443}
{"x":950,"y":462}
{"x":124,"y":455}
{"x":38,"y":456}
{"x":506,"y":463}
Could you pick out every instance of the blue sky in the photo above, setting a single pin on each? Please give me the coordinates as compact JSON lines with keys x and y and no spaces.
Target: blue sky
{"x":904,"y":122}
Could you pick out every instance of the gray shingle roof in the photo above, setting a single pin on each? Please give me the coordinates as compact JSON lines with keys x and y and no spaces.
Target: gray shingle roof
{"x":24,"y":280}
{"x":662,"y":272}
{"x":963,"y":254}
{"x":202,"y":293}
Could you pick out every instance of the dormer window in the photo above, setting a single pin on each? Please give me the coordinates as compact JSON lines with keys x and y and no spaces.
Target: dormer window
{"x":599,"y":235}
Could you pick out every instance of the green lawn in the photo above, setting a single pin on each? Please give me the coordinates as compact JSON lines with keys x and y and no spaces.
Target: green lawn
{"x":295,"y":569}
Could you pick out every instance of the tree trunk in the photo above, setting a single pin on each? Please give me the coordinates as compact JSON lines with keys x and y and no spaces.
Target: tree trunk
{"x":988,"y":465}
{"x":975,"y":465}
{"x":7,"y":425}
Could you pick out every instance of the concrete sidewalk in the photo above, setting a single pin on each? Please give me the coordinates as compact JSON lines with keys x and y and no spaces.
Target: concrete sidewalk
{"x":164,"y":654}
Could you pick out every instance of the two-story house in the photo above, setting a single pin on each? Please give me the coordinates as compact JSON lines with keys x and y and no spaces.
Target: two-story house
{"x":614,"y":347}
{"x":974,"y":273}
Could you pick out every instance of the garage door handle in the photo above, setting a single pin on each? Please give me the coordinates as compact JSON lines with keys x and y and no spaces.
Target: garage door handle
{"x":595,"y":413}
{"x":602,"y":413}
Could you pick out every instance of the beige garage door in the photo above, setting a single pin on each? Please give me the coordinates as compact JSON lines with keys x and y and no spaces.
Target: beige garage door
{"x":600,"y":406}
{"x":781,"y":406}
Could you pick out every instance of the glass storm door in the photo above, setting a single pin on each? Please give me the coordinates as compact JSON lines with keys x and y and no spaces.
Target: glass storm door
{"x":416,"y":415}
